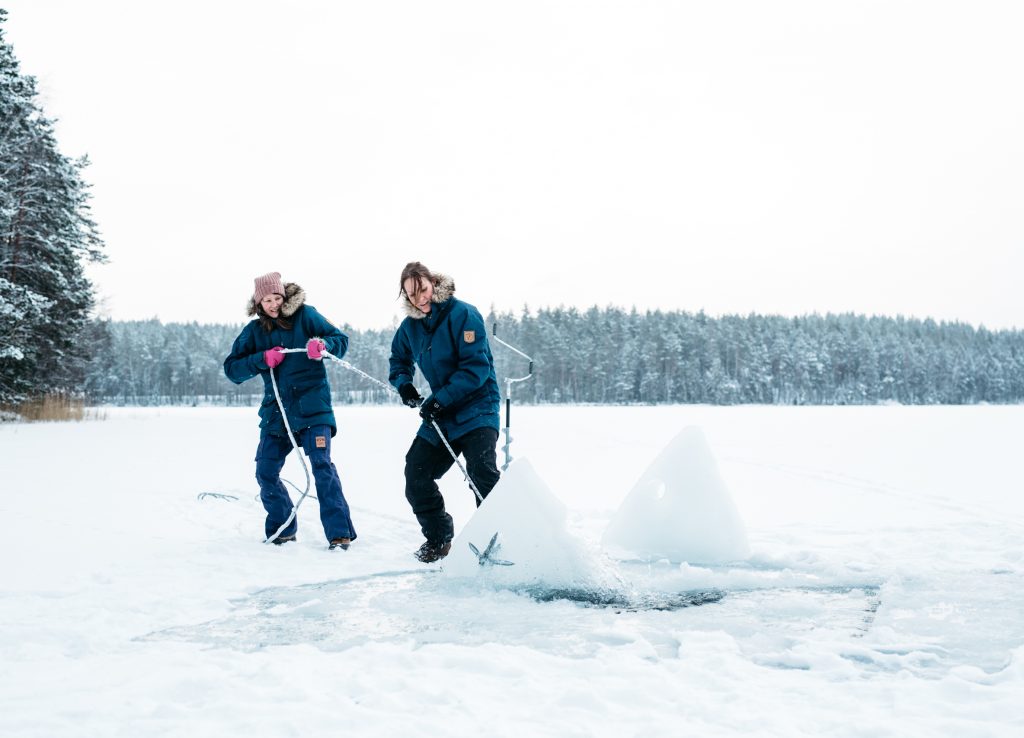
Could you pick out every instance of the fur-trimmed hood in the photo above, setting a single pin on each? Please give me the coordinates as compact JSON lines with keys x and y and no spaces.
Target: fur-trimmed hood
{"x":294,"y":298}
{"x":443,"y":289}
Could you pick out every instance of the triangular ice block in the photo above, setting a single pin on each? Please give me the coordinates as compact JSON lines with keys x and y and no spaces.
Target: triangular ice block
{"x":680,"y":509}
{"x":530,"y":523}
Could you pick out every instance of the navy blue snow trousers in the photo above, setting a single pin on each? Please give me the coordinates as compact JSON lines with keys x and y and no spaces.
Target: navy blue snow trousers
{"x":270,"y":456}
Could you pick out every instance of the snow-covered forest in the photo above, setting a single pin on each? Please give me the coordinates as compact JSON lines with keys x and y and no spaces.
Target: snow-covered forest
{"x":616,"y":356}
{"x":46,"y":236}
{"x":50,"y":345}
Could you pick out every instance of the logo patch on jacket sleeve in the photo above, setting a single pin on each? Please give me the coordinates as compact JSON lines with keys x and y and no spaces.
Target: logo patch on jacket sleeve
{"x":321,"y":441}
{"x":469,"y":336}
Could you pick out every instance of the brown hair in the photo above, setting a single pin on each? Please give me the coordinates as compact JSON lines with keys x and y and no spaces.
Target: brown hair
{"x":415,"y":271}
{"x":267,"y":323}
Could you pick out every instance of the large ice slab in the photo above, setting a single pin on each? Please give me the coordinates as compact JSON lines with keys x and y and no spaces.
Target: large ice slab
{"x":680,"y":509}
{"x":532,"y":535}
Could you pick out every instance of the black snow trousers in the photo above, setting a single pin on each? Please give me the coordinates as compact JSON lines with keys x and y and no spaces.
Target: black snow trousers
{"x":425,"y":463}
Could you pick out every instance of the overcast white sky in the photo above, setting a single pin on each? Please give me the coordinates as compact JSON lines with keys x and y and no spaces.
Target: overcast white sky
{"x":776,"y":157}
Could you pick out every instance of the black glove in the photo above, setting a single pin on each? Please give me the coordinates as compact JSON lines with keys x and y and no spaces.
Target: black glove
{"x":431,"y":410}
{"x":409,"y":395}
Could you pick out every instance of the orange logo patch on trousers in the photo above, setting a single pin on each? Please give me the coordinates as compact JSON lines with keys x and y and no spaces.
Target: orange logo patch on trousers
{"x":321,"y":441}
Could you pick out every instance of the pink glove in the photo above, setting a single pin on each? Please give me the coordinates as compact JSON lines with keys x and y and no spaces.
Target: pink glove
{"x":273,"y":356}
{"x":314,"y":348}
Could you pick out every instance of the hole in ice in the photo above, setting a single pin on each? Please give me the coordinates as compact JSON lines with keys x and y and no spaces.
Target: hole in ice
{"x":420,"y":606}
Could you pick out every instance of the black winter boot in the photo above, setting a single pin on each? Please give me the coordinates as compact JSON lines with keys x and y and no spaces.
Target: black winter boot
{"x":430,"y":552}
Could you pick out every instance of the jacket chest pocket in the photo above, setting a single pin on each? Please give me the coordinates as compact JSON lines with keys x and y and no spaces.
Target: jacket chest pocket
{"x":422,"y":355}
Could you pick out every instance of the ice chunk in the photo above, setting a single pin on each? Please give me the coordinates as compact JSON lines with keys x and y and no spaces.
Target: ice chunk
{"x":680,"y":509}
{"x":530,"y":523}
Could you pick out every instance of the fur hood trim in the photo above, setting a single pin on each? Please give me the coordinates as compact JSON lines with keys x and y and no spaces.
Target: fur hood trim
{"x":294,"y":298}
{"x":443,"y":290}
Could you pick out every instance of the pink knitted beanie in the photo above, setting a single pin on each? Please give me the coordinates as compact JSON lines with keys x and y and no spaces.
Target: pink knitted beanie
{"x":268,"y":284}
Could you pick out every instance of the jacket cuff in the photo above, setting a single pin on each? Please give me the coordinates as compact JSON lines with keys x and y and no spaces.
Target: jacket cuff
{"x":444,"y":396}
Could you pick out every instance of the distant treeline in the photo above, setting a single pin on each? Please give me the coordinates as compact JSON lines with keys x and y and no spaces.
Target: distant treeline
{"x":617,"y":356}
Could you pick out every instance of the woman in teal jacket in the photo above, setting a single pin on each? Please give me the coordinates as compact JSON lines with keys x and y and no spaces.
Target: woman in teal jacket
{"x":446,"y":338}
{"x":283,"y":320}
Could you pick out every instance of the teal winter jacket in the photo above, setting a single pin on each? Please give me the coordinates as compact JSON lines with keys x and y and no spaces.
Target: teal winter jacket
{"x":449,"y":345}
{"x":302,"y":381}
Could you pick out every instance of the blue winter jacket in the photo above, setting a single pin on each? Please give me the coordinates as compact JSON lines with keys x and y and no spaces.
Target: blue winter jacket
{"x":302,"y":382}
{"x":449,"y":345}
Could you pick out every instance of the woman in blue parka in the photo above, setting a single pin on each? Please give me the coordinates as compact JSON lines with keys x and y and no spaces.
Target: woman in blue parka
{"x":283,"y":320}
{"x":446,"y":338}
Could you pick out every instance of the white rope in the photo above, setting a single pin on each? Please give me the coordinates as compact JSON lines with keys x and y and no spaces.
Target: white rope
{"x":437,"y":428}
{"x":465,"y":473}
{"x":360,"y":372}
{"x":295,"y":446}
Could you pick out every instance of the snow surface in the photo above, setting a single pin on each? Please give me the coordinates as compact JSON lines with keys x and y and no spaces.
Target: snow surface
{"x":883,"y":594}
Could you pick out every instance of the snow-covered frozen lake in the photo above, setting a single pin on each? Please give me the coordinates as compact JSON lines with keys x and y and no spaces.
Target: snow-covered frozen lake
{"x":884,"y":594}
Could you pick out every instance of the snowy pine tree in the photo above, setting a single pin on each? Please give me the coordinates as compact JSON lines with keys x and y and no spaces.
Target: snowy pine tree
{"x":46,"y":236}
